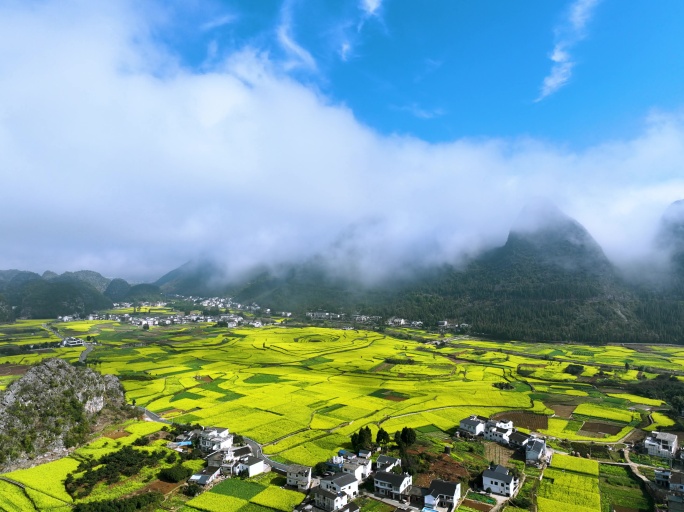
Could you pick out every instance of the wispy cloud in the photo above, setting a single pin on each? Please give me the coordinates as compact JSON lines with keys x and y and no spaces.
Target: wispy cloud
{"x":371,"y":7}
{"x":568,"y":34}
{"x":345,"y":50}
{"x":421,"y":112}
{"x":218,"y":22}
{"x":299,"y":57}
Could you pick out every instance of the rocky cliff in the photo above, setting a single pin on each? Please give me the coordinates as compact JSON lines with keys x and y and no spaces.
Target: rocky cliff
{"x":52,"y":408}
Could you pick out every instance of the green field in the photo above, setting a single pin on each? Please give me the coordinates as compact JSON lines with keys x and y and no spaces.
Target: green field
{"x":301,"y":392}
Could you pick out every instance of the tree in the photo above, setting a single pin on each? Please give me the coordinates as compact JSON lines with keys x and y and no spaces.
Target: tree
{"x":382,"y":438}
{"x":408,"y":436}
{"x":320,"y":468}
{"x":397,"y":439}
{"x":192,"y":489}
{"x":362,"y":440}
{"x":175,"y":474}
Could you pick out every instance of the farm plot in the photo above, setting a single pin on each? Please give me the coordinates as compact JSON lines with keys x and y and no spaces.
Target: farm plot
{"x":600,"y":428}
{"x":606,"y":412}
{"x":570,"y":484}
{"x":524,"y":419}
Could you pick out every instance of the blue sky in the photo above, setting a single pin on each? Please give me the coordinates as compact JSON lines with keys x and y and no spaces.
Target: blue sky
{"x":381,"y":134}
{"x":442,"y":70}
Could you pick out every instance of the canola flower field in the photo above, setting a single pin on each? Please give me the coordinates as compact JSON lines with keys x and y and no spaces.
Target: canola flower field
{"x":302,"y":391}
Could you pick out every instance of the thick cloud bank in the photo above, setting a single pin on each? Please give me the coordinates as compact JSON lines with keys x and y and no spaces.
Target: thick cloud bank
{"x":116,"y":158}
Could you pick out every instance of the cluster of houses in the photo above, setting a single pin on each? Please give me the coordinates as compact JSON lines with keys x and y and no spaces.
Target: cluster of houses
{"x":334,"y":491}
{"x":498,"y":479}
{"x":224,"y":458}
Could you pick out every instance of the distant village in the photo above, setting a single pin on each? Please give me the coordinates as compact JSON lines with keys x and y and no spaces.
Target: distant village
{"x":246,"y":315}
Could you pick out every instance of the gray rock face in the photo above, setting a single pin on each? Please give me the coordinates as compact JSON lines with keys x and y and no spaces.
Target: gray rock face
{"x":50,"y":409}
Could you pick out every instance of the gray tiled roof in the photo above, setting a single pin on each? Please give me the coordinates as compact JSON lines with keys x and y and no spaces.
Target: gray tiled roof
{"x":498,"y":473}
{"x":342,"y":479}
{"x":442,"y":487}
{"x":391,"y":478}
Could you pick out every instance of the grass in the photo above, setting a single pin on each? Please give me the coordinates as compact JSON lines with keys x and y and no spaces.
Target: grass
{"x":619,"y":487}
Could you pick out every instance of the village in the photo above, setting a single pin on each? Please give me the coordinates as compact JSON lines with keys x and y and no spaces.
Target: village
{"x":334,"y":484}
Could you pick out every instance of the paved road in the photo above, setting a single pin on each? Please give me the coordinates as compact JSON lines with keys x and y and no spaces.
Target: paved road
{"x":635,"y":467}
{"x":154,"y":417}
{"x":258,"y":453}
{"x":84,"y":355}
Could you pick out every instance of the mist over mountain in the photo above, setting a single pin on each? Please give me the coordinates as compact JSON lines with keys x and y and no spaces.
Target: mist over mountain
{"x":550,"y":280}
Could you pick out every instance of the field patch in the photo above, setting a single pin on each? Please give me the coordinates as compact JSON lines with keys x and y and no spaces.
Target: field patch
{"x":562,"y":411}
{"x":241,"y":489}
{"x":13,"y":369}
{"x":606,"y":413}
{"x":186,"y":394}
{"x":263,"y":378}
{"x":524,"y":419}
{"x":598,"y":427}
{"x":389,"y":394}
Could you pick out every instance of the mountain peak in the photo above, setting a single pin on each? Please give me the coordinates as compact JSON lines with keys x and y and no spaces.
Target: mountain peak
{"x":543,"y":232}
{"x":540,"y":215}
{"x":670,"y":236}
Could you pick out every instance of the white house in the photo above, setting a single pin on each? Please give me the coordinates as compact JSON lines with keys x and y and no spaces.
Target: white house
{"x":473,"y":425}
{"x":518,"y":440}
{"x":299,"y":476}
{"x":661,"y":444}
{"x":206,"y":476}
{"x":341,"y":482}
{"x":328,"y":500}
{"x":360,"y":468}
{"x":500,"y":435}
{"x":500,"y":480}
{"x":505,"y":424}
{"x":215,"y":438}
{"x":535,"y":450}
{"x":392,"y":485}
{"x":387,"y":463}
{"x":251,"y":465}
{"x":442,"y":494}
{"x":73,"y":342}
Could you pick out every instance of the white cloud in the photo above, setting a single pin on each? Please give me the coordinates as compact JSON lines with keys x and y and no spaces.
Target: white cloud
{"x":420,"y":112}
{"x":345,"y":50}
{"x":299,"y":57}
{"x":218,"y":22}
{"x":371,"y":7}
{"x":115,"y":159}
{"x":568,"y":35}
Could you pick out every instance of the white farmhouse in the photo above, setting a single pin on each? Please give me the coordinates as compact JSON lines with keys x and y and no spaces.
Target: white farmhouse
{"x":215,"y":438}
{"x":500,"y":480}
{"x":661,"y":444}
{"x":473,"y":425}
{"x":251,"y":466}
{"x":387,"y":463}
{"x":341,"y":482}
{"x":299,"y":477}
{"x":393,"y":485}
{"x":442,"y":494}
